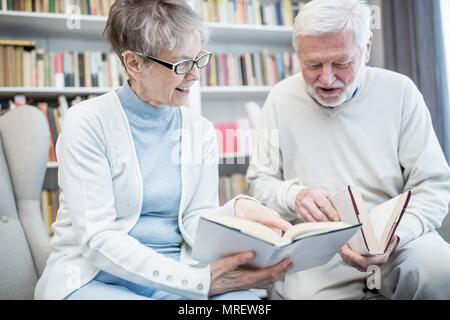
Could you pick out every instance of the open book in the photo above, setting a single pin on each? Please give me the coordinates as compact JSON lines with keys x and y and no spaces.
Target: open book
{"x":308,"y":244}
{"x":378,"y":225}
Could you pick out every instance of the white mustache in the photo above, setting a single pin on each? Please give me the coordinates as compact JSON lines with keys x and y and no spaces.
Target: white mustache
{"x":335,"y":85}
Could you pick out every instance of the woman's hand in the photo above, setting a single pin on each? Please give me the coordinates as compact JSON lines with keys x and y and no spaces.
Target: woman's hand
{"x":229,"y":274}
{"x":254,"y":211}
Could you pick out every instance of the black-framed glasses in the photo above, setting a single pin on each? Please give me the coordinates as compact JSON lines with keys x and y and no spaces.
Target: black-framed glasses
{"x":183,"y":66}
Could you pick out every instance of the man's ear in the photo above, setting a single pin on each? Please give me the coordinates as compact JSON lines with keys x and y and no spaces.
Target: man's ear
{"x":133,"y":64}
{"x":369,"y":49}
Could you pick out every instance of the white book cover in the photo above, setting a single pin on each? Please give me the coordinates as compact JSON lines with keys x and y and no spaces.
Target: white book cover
{"x":215,"y":241}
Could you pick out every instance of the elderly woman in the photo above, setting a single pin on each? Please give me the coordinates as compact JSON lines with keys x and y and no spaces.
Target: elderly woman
{"x":136,"y":173}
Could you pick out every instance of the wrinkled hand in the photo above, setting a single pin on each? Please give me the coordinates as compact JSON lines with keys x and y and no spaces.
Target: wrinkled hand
{"x":252,"y":210}
{"x":362,"y":263}
{"x":230,"y":274}
{"x":313,"y":205}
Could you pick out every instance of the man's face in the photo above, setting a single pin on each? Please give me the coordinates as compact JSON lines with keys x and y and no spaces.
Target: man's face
{"x":332,"y":66}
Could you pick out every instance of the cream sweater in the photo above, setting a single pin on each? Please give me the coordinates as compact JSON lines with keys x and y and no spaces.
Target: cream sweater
{"x":381,"y":141}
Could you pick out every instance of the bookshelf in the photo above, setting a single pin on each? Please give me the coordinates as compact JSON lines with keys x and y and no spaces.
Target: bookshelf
{"x":60,"y":32}
{"x":91,"y":27}
{"x":206,"y":92}
{"x":56,"y":32}
{"x":51,"y":31}
{"x":50,"y":92}
{"x":240,"y":91}
{"x":52,"y":25}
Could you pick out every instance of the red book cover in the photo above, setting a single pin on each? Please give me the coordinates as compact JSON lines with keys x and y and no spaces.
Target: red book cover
{"x":227,"y":137}
{"x":59,"y":63}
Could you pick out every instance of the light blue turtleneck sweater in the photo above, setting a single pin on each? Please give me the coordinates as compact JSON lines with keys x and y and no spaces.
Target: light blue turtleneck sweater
{"x":156,"y":135}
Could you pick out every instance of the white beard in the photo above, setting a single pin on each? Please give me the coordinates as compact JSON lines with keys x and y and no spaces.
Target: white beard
{"x":346,"y":95}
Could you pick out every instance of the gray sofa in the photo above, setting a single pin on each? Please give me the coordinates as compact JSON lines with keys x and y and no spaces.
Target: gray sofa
{"x":24,"y":241}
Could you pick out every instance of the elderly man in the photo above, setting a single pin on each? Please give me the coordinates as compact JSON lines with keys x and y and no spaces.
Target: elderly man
{"x":340,"y":122}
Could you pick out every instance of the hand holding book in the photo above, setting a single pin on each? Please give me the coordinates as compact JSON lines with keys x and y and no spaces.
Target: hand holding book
{"x":378,"y":225}
{"x":231,"y":273}
{"x":362,"y":263}
{"x":252,"y":210}
{"x":307,"y":244}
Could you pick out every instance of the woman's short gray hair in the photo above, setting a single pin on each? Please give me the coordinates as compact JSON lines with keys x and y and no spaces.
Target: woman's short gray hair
{"x":152,"y":26}
{"x":321,"y":17}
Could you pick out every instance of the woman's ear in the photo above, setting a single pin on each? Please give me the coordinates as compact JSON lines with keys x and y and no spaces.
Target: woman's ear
{"x":133,"y":64}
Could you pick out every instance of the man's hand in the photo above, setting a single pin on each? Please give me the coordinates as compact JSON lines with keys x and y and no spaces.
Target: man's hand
{"x":252,"y":210}
{"x":229,"y":274}
{"x":313,"y":205}
{"x":362,"y":263}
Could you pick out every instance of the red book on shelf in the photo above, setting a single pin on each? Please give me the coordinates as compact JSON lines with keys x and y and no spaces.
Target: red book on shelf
{"x":227,"y":137}
{"x":59,"y":70}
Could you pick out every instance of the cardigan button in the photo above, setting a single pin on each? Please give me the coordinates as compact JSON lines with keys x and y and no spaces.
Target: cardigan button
{"x":156,"y":273}
{"x":169,"y":278}
{"x":5,"y":219}
{"x":184,"y":282}
{"x":199,"y":286}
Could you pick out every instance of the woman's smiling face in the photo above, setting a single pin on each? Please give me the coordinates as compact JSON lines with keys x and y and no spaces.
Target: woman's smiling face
{"x":158,"y":85}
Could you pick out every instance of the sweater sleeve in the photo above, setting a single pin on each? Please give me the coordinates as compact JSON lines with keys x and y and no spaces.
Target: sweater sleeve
{"x":425,"y":170}
{"x":265,"y":173}
{"x":86,"y":182}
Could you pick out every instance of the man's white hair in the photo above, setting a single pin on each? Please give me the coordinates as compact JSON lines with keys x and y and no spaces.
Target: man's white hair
{"x":322,"y":17}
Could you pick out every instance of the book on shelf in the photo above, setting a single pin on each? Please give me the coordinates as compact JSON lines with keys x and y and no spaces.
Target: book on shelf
{"x":53,"y":110}
{"x":49,"y":207}
{"x":43,"y":106}
{"x":231,"y":186}
{"x":20,"y":101}
{"x":307,"y":244}
{"x":234,"y":137}
{"x":249,"y":69}
{"x":27,"y":66}
{"x":18,"y":43}
{"x":85,"y":7}
{"x":378,"y":224}
{"x":257,"y":12}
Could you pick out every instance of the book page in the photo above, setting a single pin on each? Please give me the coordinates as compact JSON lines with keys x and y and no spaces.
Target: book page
{"x":305,"y":229}
{"x":251,"y":228}
{"x":309,"y":252}
{"x":384,"y":217}
{"x":343,"y":204}
{"x":364,"y":242}
{"x":380,"y":215}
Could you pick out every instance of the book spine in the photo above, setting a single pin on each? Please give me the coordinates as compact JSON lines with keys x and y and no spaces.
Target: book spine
{"x":52,"y":121}
{"x":355,"y":208}
{"x":59,"y":70}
